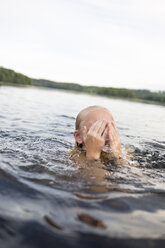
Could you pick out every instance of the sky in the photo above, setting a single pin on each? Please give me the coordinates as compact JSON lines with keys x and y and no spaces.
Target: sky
{"x":112,"y":43}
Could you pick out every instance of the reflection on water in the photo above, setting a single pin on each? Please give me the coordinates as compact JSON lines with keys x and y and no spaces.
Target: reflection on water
{"x":46,"y":200}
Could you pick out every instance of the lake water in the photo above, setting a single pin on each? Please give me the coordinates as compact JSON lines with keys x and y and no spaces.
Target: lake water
{"x":45,"y":201}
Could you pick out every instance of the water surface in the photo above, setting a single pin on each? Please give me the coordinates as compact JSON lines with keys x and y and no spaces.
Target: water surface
{"x":45,"y":201}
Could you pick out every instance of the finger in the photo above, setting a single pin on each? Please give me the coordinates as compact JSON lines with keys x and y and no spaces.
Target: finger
{"x":105,"y":132}
{"x":95,"y":127}
{"x":102,"y":127}
{"x":116,"y":131}
{"x":109,"y":126}
{"x":114,"y":125}
{"x":111,"y":132}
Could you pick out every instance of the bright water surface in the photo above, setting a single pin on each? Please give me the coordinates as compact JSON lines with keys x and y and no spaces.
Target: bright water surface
{"x":45,"y":201}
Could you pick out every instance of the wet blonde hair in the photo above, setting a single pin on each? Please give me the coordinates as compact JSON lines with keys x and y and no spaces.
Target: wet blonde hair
{"x":79,"y":117}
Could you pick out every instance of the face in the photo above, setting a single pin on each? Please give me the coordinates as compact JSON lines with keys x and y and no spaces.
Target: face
{"x":91,"y":116}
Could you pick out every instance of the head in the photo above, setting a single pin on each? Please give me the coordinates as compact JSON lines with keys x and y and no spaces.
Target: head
{"x":87,"y":117}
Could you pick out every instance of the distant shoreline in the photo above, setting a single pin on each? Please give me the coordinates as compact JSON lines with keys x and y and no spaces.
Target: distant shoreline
{"x":110,"y":97}
{"x":12,"y":78}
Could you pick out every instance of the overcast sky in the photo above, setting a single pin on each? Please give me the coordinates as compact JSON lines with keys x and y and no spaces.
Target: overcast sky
{"x":118,"y":43}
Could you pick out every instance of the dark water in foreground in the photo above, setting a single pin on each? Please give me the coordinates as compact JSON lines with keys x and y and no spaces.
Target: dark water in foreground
{"x":47,"y":202}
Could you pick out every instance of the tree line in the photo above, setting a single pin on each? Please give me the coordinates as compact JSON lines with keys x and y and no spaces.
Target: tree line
{"x":105,"y":91}
{"x":10,"y":76}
